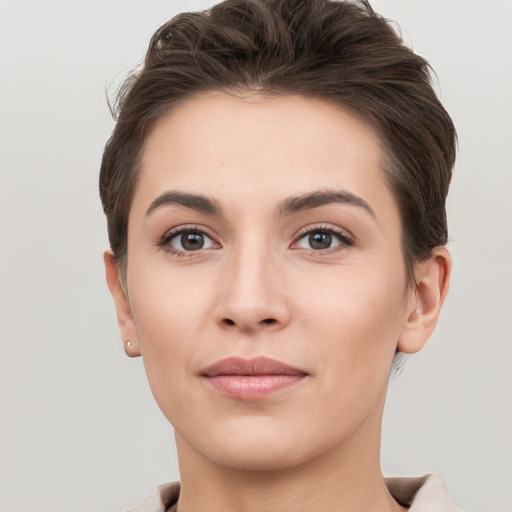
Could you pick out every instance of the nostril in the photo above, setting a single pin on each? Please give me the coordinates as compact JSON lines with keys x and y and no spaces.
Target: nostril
{"x":228,"y":321}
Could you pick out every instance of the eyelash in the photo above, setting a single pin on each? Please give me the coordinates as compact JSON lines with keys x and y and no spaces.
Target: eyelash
{"x":165,"y":241}
{"x":338,"y":233}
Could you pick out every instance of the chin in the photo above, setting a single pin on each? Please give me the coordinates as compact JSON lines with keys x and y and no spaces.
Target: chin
{"x":262,"y":457}
{"x":256,"y":446}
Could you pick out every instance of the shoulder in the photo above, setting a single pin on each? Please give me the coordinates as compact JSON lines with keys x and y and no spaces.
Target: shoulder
{"x":422,"y":494}
{"x":160,"y":500}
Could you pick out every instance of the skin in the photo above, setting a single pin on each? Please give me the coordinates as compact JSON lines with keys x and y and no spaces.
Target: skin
{"x":258,"y":287}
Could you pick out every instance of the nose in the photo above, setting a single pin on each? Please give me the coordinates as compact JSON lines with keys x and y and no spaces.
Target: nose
{"x":252,"y":294}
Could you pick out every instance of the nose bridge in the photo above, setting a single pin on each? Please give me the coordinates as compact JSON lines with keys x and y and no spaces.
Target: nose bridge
{"x":253,"y":293}
{"x":252,"y":269}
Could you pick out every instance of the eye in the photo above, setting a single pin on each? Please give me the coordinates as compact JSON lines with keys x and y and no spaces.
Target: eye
{"x":322,"y":239}
{"x":187,"y":240}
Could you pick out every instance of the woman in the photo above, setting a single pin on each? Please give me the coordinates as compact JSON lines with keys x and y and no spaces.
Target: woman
{"x":275,"y":195}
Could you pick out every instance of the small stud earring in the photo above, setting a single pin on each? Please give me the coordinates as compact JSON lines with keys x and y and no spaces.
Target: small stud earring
{"x":128,"y":345}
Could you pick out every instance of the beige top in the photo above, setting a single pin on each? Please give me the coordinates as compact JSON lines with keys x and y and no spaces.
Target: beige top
{"x":421,"y":494}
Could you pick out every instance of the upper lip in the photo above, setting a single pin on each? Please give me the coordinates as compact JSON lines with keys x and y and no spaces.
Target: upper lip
{"x":254,"y":366}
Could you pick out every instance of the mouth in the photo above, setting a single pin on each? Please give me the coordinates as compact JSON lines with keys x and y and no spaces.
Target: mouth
{"x":251,"y":379}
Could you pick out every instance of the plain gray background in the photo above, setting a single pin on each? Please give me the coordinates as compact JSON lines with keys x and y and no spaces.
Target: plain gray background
{"x":79,"y":430}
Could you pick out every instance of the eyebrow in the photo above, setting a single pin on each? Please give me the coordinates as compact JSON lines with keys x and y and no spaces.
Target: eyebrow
{"x":289,"y":206}
{"x":319,"y":198}
{"x":194,"y":201}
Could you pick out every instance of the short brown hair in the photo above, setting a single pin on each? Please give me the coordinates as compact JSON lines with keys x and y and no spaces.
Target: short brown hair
{"x":336,"y":50}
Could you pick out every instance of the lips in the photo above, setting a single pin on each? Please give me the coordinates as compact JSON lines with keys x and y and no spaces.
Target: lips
{"x":251,"y":379}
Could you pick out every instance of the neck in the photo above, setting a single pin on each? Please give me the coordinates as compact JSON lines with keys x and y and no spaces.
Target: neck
{"x":346,"y":478}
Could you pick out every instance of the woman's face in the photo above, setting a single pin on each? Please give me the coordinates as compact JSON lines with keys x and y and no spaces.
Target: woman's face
{"x":264,"y":228}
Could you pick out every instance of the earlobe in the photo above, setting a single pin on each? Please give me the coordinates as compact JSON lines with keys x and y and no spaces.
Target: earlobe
{"x":430,"y":290}
{"x":122,"y":304}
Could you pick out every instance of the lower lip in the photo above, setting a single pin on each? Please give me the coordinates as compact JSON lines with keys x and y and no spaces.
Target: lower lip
{"x":252,"y":387}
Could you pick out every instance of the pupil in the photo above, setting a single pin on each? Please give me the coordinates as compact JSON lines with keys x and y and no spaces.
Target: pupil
{"x":192,"y":241}
{"x":320,"y":240}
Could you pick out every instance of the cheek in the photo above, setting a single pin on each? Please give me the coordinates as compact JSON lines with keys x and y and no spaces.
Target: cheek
{"x":168,"y":304}
{"x":170,"y":314}
{"x":355,"y":319}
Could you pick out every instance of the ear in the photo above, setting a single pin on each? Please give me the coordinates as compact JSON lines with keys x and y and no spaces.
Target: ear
{"x":123,"y":309}
{"x":432,"y":279}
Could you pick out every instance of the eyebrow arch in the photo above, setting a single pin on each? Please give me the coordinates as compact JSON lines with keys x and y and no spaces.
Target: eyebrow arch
{"x":320,"y":198}
{"x":194,"y":201}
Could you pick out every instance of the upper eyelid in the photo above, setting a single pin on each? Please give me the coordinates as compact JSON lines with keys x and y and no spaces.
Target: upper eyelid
{"x":326,"y":227}
{"x":184,"y":228}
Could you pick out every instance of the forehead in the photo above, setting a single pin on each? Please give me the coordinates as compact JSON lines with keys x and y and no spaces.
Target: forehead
{"x":260,"y":148}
